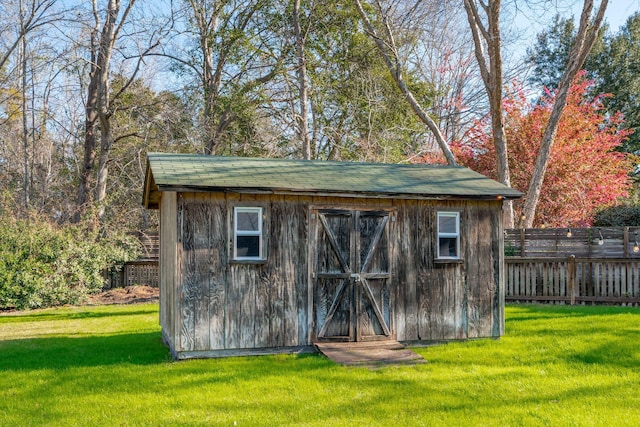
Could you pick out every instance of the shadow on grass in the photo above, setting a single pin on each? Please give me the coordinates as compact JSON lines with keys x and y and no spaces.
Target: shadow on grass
{"x":609,"y":346}
{"x":527,"y":312}
{"x":62,"y":314}
{"x":621,"y":351}
{"x":88,"y":351}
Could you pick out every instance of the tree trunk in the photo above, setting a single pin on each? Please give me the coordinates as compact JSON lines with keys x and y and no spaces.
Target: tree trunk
{"x":490,"y":64}
{"x":585,"y":38}
{"x":106,"y":144}
{"x":90,"y":128}
{"x":25,"y":128}
{"x":98,"y":107}
{"x":210,"y":84}
{"x":206,"y":22}
{"x":219,"y":27}
{"x":303,"y":118}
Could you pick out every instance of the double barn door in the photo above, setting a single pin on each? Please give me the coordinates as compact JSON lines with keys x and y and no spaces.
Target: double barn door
{"x":352,"y":277}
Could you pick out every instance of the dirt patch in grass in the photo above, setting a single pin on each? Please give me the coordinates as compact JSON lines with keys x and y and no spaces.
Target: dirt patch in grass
{"x":128,"y":295}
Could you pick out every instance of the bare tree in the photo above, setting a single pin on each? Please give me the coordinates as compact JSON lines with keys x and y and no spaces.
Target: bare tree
{"x":385,"y":42}
{"x":439,"y":55}
{"x":108,"y":24}
{"x":22,"y":19}
{"x":585,"y":38}
{"x":31,"y":15}
{"x":444,"y":57}
{"x":103,"y":36}
{"x":484,"y":21}
{"x":303,"y":118}
{"x":231,"y":61}
{"x":25,"y":128}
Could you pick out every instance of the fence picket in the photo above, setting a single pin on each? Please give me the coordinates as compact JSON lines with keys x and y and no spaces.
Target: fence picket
{"x":571,"y":280}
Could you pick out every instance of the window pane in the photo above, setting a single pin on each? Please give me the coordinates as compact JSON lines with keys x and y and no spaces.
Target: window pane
{"x":448,"y":247}
{"x":447,"y":224}
{"x":248,"y":246}
{"x":248,"y":221}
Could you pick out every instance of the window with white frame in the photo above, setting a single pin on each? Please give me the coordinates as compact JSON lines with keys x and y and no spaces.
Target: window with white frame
{"x":448,"y":235}
{"x":247,"y":233}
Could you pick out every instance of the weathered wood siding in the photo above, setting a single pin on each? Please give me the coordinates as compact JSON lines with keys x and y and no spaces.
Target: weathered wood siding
{"x":438,"y":300}
{"x":168,"y":272}
{"x":211,"y":303}
{"x":227,"y":305}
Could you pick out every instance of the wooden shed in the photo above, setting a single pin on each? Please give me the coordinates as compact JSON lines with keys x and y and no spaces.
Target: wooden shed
{"x":268,"y":255}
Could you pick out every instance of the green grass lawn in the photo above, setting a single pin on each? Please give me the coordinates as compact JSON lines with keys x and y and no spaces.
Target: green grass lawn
{"x":556,"y":366}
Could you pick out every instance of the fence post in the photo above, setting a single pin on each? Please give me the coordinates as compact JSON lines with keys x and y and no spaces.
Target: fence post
{"x":572,"y":278}
{"x":625,"y":243}
{"x":123,"y":275}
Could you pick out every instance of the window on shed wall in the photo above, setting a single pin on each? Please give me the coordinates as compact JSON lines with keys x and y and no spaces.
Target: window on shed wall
{"x":247,"y":233}
{"x":448,"y":235}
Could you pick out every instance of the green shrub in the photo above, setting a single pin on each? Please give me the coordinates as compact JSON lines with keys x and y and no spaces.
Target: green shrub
{"x":42,"y":265}
{"x":627,"y":215}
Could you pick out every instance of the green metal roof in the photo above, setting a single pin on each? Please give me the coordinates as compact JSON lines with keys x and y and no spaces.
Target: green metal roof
{"x":190,"y":172}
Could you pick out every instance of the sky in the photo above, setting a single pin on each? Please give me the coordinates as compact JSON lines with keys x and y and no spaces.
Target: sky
{"x":531,"y":20}
{"x":616,"y":14}
{"x":617,"y":11}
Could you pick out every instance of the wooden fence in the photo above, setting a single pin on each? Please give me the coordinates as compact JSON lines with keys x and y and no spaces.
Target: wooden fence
{"x":573,"y":265}
{"x":573,"y":280}
{"x":143,"y":271}
{"x":593,"y":242}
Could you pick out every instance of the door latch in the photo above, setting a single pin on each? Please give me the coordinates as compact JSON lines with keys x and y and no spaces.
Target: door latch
{"x":355,"y":276}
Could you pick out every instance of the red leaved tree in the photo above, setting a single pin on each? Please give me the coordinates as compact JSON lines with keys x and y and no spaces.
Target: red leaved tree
{"x":585,"y":172}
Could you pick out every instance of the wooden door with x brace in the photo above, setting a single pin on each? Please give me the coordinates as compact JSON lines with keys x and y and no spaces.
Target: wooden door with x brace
{"x":351,"y":278}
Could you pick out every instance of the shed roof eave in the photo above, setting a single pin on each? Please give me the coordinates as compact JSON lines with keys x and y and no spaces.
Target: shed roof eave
{"x":365,"y":195}
{"x":146,"y":190}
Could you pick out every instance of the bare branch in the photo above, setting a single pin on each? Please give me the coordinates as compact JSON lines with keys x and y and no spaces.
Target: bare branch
{"x":393,"y":64}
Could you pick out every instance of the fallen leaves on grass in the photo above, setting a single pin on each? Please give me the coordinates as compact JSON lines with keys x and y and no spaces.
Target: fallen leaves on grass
{"x":128,"y":295}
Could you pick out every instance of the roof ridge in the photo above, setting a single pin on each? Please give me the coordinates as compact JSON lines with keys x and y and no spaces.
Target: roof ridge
{"x":206,"y":157}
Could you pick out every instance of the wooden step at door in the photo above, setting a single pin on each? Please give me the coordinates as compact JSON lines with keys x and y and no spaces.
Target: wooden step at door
{"x":369,"y":353}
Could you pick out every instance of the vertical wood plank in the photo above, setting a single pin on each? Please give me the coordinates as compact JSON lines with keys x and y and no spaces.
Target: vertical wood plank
{"x":201,"y":217}
{"x":312,"y":260}
{"x":399,"y":259}
{"x":497,"y":254}
{"x":629,"y":279}
{"x":487,"y":285}
{"x":168,"y":268}
{"x":571,"y":278}
{"x":416,"y":303}
{"x":302,"y":270}
{"x":232,"y":292}
{"x":473,"y":268}
{"x":188,"y":278}
{"x":636,"y":279}
{"x":246,"y":283}
{"x":219,"y":261}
